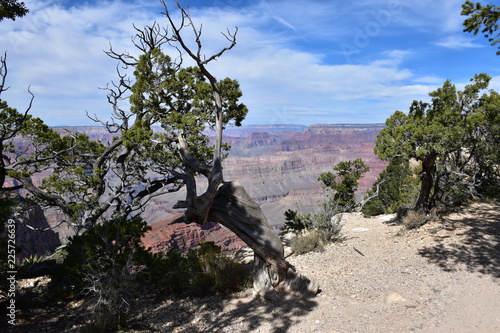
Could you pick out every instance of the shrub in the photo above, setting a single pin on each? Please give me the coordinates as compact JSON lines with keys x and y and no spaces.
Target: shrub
{"x":109,"y":265}
{"x":198,"y":272}
{"x":31,"y":260}
{"x":295,"y":222}
{"x":312,"y":231}
{"x":414,"y":219}
{"x":328,"y":221}
{"x":307,"y":243}
{"x":103,"y":264}
{"x":224,"y":273}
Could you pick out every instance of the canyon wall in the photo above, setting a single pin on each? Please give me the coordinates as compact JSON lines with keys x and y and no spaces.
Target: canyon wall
{"x":278,"y":166}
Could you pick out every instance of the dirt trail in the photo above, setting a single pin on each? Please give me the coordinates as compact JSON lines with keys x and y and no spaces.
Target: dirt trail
{"x":444,"y":277}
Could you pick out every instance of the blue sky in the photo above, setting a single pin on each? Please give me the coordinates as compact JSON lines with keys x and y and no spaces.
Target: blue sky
{"x":298,"y":62}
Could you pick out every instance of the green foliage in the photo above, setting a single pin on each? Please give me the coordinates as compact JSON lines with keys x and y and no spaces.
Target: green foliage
{"x":31,"y":260}
{"x":450,"y":138}
{"x":109,"y":265}
{"x":295,"y":222}
{"x":105,"y":263}
{"x":198,"y":272}
{"x":482,"y":18}
{"x":312,"y":231}
{"x":76,"y":179}
{"x":182,"y":102}
{"x":327,"y":221}
{"x":104,"y":247}
{"x":39,"y":148}
{"x":484,"y":126}
{"x":399,"y":185}
{"x":10,"y":9}
{"x":344,"y":181}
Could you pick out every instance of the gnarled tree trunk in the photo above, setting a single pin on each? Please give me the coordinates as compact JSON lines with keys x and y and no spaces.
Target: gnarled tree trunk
{"x":427,"y":182}
{"x":233,"y":208}
{"x":227,"y":202}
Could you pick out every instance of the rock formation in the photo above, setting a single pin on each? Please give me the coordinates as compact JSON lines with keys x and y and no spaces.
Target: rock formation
{"x":278,"y":167}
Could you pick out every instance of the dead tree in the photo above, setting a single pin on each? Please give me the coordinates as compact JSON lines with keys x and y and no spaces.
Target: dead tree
{"x":227,"y":202}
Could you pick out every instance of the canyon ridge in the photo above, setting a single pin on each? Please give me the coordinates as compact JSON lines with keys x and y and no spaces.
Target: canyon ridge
{"x":277,"y":164}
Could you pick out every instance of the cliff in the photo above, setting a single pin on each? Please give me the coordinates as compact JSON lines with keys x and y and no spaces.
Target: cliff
{"x":182,"y":237}
{"x":277,"y":165}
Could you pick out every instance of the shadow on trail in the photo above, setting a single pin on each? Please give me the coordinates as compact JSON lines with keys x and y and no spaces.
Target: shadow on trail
{"x":245,"y":314}
{"x":252,"y":315}
{"x":477,"y":245}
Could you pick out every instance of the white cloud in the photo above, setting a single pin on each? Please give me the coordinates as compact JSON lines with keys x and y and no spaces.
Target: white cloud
{"x":430,"y":15}
{"x":289,"y":71}
{"x":457,"y":42}
{"x":429,"y":79}
{"x":495,"y":83}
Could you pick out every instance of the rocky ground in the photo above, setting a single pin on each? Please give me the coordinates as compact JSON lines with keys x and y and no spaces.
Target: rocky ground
{"x":444,"y":277}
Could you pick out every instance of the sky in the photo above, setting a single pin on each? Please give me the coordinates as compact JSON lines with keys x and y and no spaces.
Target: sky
{"x":297,"y":61}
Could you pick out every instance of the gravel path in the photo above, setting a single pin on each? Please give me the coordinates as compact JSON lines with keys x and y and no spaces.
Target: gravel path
{"x":442,"y":278}
{"x":430,"y":280}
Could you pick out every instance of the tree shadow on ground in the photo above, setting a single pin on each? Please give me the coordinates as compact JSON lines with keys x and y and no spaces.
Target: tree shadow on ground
{"x":476,"y":244}
{"x":252,"y":315}
{"x":39,"y":311}
{"x":160,"y":314}
{"x":213,"y":314}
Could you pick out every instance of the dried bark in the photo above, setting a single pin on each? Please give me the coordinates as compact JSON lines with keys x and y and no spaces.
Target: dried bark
{"x":236,"y":210}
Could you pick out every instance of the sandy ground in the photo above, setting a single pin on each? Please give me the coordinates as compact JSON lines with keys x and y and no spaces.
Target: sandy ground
{"x":444,"y":277}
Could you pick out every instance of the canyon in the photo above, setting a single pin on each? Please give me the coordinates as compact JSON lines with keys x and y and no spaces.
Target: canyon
{"x":277,"y":164}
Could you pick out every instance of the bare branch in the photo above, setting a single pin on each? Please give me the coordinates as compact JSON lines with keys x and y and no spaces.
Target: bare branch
{"x":125,"y":58}
{"x":231,"y":38}
{"x":154,"y":189}
{"x":49,"y":198}
{"x":150,"y":38}
{"x":14,"y":131}
{"x":197,"y":56}
{"x":363,"y":202}
{"x":37,"y":160}
{"x":12,"y":188}
{"x":3,"y":72}
{"x":118,"y":92}
{"x":44,"y":229}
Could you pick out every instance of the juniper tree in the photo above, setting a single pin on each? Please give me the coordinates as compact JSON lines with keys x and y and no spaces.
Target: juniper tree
{"x":482,"y":19}
{"x":11,"y":9}
{"x":450,"y":138}
{"x":185,"y":101}
{"x":93,"y":183}
{"x":397,"y":187}
{"x":344,"y":181}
